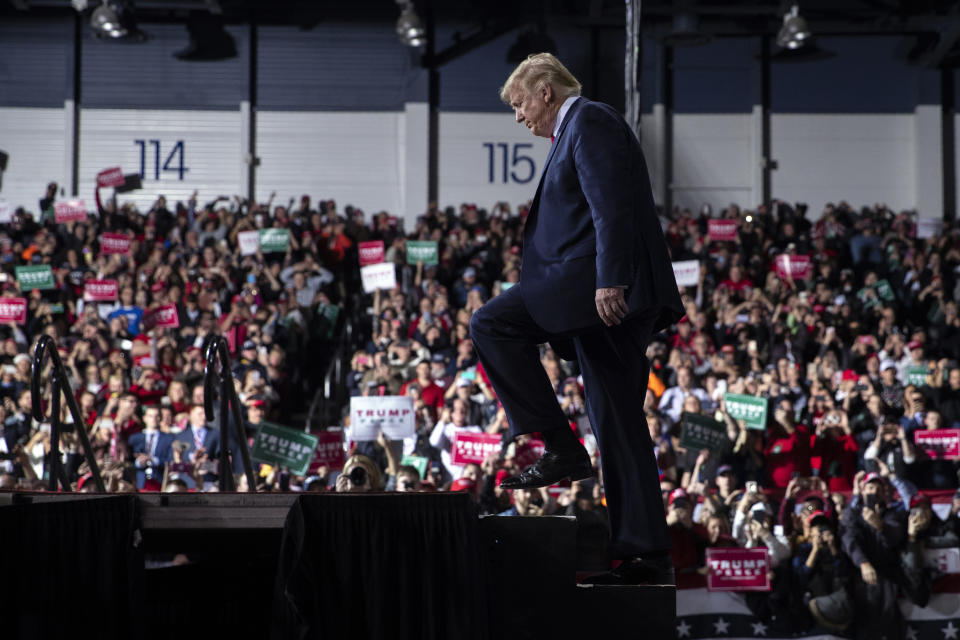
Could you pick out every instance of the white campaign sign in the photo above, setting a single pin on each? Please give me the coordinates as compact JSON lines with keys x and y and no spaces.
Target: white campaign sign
{"x":6,"y":212}
{"x":394,"y":415}
{"x":929,"y":227}
{"x":946,"y":560}
{"x":382,"y":275}
{"x":687,"y":272}
{"x":249,"y":242}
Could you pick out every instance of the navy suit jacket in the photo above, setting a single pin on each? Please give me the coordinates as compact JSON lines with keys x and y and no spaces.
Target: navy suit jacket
{"x":593,"y":224}
{"x":163,"y":451}
{"x":211,"y":441}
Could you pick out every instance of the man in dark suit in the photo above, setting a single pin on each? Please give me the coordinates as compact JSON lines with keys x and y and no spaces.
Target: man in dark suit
{"x":200,"y":438}
{"x":596,"y":282}
{"x":151,"y":448}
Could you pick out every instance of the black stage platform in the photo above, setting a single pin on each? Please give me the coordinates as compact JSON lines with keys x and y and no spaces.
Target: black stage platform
{"x":379,"y":566}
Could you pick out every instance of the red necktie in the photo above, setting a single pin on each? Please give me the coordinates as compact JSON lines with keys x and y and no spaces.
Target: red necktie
{"x":552,"y":138}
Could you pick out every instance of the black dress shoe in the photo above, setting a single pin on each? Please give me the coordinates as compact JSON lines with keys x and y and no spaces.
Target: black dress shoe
{"x":550,"y":469}
{"x":636,"y":571}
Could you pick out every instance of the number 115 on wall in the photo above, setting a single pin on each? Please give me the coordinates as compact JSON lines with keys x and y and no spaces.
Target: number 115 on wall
{"x":509,"y":163}
{"x":176,"y":155}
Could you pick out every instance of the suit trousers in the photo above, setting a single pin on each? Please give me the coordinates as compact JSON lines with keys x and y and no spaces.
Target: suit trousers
{"x":615,"y":372}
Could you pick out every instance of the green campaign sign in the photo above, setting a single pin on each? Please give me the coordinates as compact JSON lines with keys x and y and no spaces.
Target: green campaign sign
{"x":884,"y":290}
{"x":750,"y":409}
{"x":424,"y":251}
{"x":284,"y":447}
{"x":35,"y":277}
{"x":701,"y":432}
{"x":417,"y":462}
{"x":274,"y":240}
{"x":917,"y":375}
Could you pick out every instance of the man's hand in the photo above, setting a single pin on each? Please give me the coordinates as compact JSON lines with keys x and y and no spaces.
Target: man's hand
{"x":872,"y":518}
{"x":611,"y":305}
{"x":868,"y":573}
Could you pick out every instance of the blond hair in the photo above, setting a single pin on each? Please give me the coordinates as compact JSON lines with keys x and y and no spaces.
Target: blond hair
{"x":538,"y":71}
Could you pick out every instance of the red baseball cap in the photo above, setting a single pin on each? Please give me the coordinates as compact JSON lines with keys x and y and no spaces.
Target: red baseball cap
{"x":463,"y":484}
{"x":678,"y":494}
{"x":914,"y":344}
{"x":850,"y":374}
{"x":873,"y":476}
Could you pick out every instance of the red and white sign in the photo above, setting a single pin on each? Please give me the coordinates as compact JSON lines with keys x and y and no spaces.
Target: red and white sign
{"x":469,"y":447}
{"x":738,"y":570}
{"x":100,"y":290}
{"x":378,"y":276}
{"x":329,"y":451}
{"x":13,"y":310}
{"x":796,"y":267}
{"x":115,"y":243}
{"x":370,"y":252}
{"x":394,"y":415}
{"x":687,"y":273}
{"x":249,"y":242}
{"x":939,"y":444}
{"x":722,"y":230}
{"x":929,"y":227}
{"x":945,"y":560}
{"x":112,"y":177}
{"x":527,"y":454}
{"x":69,"y":210}
{"x":164,"y":317}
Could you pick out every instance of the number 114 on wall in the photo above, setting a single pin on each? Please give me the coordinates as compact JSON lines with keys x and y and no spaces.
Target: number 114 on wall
{"x":176,"y":155}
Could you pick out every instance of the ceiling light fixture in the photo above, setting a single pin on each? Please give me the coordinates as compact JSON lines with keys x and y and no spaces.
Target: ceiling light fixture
{"x":794,"y":33}
{"x":114,"y":20}
{"x":409,"y":27}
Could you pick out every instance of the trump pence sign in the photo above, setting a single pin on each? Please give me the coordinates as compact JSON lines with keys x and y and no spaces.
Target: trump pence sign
{"x":370,"y":415}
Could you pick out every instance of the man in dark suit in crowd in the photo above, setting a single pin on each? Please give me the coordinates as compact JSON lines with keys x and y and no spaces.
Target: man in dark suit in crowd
{"x":596,"y":282}
{"x":201,"y":439}
{"x":151,"y":448}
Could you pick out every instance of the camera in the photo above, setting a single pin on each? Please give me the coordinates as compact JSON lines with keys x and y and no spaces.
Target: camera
{"x":358,"y":476}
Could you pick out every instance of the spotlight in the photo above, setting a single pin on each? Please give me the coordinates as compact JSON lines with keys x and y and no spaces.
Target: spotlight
{"x":409,"y":28}
{"x":794,"y":33}
{"x":208,"y":39}
{"x":530,"y":41}
{"x":113,"y":20}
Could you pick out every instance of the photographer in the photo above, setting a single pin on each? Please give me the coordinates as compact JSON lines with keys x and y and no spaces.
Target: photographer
{"x":873,"y":535}
{"x":823,"y":573}
{"x":892,"y":447}
{"x":359,"y":475}
{"x":924,"y":531}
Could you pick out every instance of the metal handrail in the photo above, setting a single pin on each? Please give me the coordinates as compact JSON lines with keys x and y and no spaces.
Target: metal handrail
{"x":59,"y":383}
{"x":217,"y":349}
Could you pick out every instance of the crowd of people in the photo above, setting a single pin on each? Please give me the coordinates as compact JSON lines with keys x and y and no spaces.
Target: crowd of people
{"x":854,"y":354}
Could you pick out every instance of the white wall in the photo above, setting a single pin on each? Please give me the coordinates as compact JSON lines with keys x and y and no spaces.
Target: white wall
{"x":35,"y":140}
{"x":713,"y":160}
{"x":211,"y":152}
{"x":862,"y":158}
{"x":465,"y":173}
{"x":353,"y":158}
{"x":377,"y":161}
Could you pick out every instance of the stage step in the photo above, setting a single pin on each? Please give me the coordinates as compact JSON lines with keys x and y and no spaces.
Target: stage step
{"x":640,"y":612}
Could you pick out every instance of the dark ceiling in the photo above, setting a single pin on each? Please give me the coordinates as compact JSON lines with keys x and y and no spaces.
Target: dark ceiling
{"x":935,"y":23}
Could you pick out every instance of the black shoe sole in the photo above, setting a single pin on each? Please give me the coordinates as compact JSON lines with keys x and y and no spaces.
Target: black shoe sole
{"x":582,"y":473}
